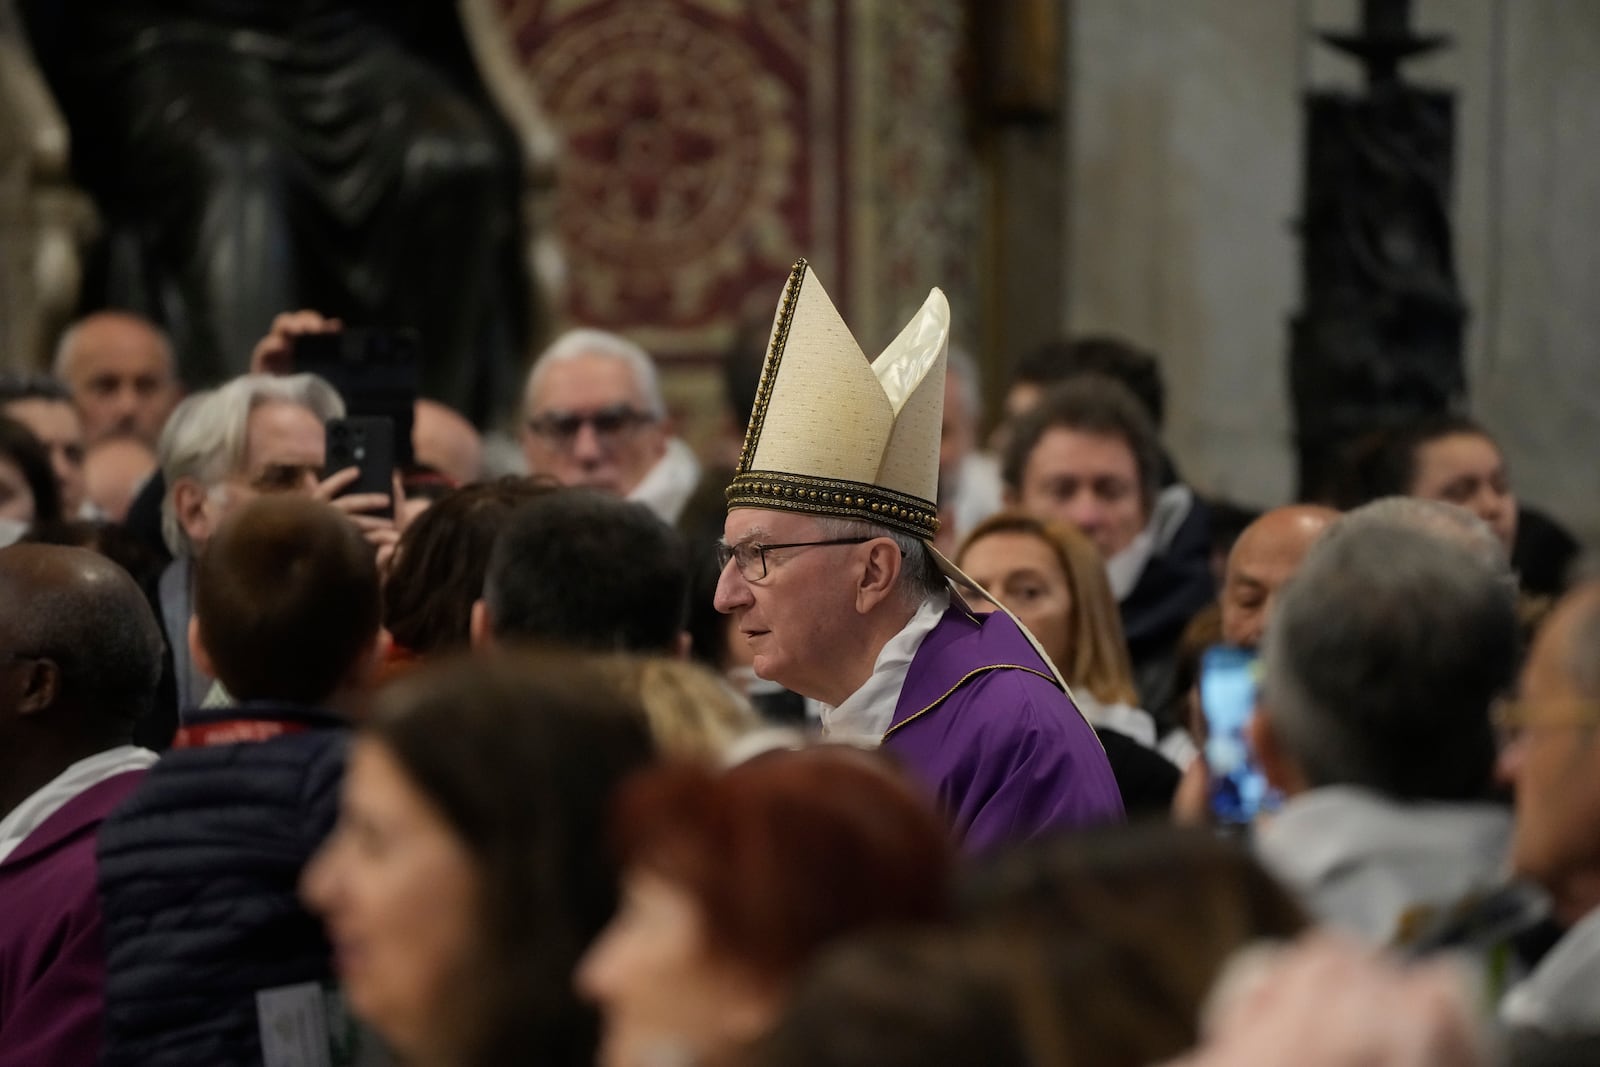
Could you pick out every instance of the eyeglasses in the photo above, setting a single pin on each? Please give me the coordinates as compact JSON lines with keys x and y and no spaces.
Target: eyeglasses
{"x":1512,"y":718}
{"x":751,"y":556}
{"x":561,"y":428}
{"x":285,"y":477}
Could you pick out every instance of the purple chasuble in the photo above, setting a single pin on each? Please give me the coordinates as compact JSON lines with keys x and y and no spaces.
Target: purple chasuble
{"x":52,"y":957}
{"x":982,"y":722}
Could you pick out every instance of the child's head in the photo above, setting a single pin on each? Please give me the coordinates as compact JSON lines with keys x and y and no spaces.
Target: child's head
{"x":286,"y":603}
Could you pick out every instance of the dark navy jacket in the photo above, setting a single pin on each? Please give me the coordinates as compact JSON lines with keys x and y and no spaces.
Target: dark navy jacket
{"x":198,"y":877}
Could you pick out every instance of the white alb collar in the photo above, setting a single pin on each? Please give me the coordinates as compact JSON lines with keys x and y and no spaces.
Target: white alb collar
{"x":865,"y":715}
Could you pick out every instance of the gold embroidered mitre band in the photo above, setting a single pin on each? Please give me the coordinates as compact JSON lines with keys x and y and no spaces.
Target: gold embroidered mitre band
{"x":831,"y":433}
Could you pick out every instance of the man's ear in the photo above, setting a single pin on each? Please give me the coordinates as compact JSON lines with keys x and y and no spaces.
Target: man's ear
{"x":197,"y":649}
{"x":189,"y":505}
{"x":878,"y":576}
{"x":683,"y":646}
{"x":481,"y":628}
{"x":1280,"y":769}
{"x":1010,"y":497}
{"x":40,"y":688}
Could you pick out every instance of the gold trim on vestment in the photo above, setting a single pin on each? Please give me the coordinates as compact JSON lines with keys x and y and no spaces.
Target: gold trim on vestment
{"x":964,"y":680}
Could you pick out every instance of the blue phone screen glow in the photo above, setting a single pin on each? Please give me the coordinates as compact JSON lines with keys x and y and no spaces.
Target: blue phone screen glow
{"x":1228,"y":678}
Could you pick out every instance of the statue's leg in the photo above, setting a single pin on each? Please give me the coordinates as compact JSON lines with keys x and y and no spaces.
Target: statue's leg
{"x":207,"y":180}
{"x":449,"y":233}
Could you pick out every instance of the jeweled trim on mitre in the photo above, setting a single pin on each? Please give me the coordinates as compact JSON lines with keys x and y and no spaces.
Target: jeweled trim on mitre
{"x":769,"y":366}
{"x":832,"y":496}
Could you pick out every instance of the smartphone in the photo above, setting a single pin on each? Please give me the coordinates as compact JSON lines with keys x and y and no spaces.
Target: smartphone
{"x":377,"y":372}
{"x":1228,"y":679}
{"x":365,"y":442}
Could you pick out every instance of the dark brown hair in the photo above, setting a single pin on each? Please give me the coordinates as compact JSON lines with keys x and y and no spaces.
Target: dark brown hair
{"x":1089,"y":404}
{"x":521,"y":756}
{"x":440,"y":562}
{"x":286,"y":595}
{"x":22,"y":448}
{"x":899,"y":999}
{"x":1166,"y":906}
{"x":1137,"y":370}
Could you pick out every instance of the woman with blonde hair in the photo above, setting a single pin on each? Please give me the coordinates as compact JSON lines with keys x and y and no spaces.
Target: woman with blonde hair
{"x":1052,"y":578}
{"x":694,"y":713}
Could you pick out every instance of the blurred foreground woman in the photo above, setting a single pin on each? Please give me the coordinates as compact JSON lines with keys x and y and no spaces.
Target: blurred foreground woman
{"x":466,"y":874}
{"x":734,"y":881}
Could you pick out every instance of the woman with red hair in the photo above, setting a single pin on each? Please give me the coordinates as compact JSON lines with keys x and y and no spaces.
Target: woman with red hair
{"x":732,"y":882}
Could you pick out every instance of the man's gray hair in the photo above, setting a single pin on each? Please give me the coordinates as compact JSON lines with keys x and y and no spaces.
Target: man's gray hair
{"x":206,"y":437}
{"x":1381,"y":660}
{"x":919,"y":577}
{"x":576,"y":344}
{"x":1434,"y":518}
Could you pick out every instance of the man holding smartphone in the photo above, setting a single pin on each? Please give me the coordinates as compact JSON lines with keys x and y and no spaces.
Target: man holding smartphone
{"x":254,"y":435}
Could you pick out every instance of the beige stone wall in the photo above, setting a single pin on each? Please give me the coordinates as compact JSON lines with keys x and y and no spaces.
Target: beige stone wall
{"x":1184,"y":177}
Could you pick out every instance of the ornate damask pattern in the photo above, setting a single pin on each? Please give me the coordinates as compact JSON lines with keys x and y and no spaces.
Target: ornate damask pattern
{"x":692,"y":133}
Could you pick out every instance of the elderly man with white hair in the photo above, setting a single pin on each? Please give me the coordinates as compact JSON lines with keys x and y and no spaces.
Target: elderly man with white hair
{"x":223,"y":447}
{"x":593,"y":415}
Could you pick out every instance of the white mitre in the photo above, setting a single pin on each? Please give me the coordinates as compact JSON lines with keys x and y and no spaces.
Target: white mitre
{"x":833,"y":434}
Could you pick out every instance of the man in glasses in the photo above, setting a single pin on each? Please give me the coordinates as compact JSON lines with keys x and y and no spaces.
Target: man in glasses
{"x":254,"y":435}
{"x":1552,"y":757}
{"x":593,"y":416}
{"x":830,"y":574}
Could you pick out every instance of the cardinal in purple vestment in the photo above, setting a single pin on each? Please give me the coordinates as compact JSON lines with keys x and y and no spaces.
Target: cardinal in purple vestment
{"x":829,"y":572}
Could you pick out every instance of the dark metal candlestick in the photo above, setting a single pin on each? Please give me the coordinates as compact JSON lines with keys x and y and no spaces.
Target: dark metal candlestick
{"x":1379,"y":338}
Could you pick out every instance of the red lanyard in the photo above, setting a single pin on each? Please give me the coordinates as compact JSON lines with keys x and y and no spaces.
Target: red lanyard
{"x":233,"y":732}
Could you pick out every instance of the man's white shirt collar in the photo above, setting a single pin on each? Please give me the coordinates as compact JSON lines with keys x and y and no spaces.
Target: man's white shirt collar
{"x":865,"y":715}
{"x":51,"y":797}
{"x":666,"y":487}
{"x":1558,"y":998}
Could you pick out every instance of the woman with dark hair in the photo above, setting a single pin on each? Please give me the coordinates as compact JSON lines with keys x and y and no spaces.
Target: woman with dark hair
{"x":439,"y":566}
{"x":28,"y":493}
{"x":465,"y":876}
{"x":1453,"y":458}
{"x":734,"y":881}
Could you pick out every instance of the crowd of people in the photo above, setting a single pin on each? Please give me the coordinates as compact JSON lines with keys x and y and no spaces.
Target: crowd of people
{"x":845,"y":742}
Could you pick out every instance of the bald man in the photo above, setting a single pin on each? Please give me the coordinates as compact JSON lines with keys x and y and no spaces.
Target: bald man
{"x":444,"y":440}
{"x":1265,"y":556}
{"x":80,"y":656}
{"x":114,"y":470}
{"x":119,"y":368}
